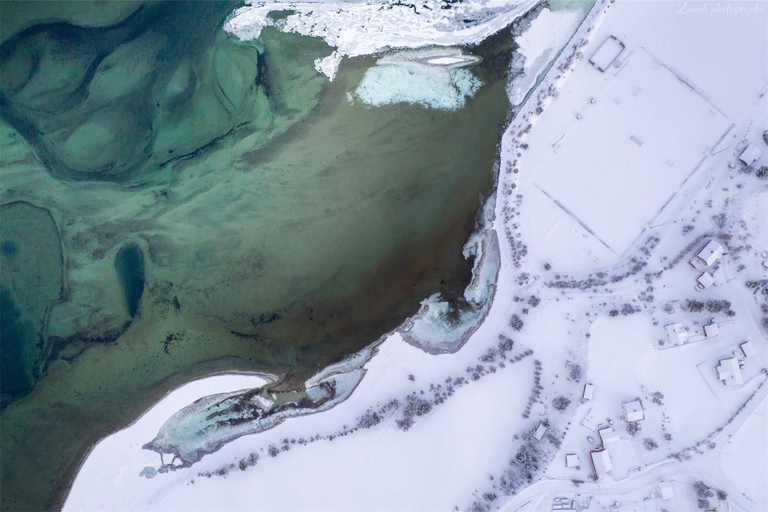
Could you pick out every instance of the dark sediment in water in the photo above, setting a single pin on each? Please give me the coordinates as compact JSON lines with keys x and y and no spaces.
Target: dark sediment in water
{"x":129,"y":264}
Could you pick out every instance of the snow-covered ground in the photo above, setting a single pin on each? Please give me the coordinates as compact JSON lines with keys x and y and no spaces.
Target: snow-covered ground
{"x":595,"y":231}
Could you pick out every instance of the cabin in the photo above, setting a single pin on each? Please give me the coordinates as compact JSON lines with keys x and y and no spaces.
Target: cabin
{"x":608,"y":435}
{"x":676,"y":333}
{"x":606,"y":54}
{"x":572,"y":461}
{"x":633,"y":411}
{"x":540,"y":431}
{"x":705,"y":280}
{"x":749,"y":155}
{"x":589,"y":391}
{"x":748,"y":349}
{"x":665,"y":489}
{"x":711,"y":330}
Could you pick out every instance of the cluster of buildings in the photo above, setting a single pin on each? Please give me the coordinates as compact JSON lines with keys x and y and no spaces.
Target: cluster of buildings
{"x":600,"y":457}
{"x":678,"y":334}
{"x":704,"y":261}
{"x":729,"y":370}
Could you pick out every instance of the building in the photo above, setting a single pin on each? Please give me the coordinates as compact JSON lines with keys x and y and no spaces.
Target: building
{"x":607,"y":54}
{"x":748,"y":349}
{"x":589,"y":390}
{"x":750,"y":154}
{"x":572,"y":461}
{"x":633,"y":411}
{"x":540,"y":431}
{"x":711,"y":252}
{"x":665,"y":489}
{"x":729,"y":372}
{"x":601,"y":462}
{"x":676,"y":334}
{"x":608,"y":435}
{"x":711,"y":330}
{"x":705,"y":280}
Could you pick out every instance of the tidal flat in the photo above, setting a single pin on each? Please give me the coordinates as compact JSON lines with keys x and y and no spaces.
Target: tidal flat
{"x":213,"y":205}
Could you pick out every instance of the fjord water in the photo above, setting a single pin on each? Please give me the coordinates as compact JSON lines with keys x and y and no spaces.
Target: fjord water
{"x":221,"y":206}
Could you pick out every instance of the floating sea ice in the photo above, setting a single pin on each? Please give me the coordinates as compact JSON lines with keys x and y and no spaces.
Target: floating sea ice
{"x":387,"y":84}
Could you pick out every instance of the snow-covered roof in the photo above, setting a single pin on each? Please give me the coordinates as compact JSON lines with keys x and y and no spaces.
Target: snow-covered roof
{"x":666,"y":491}
{"x":608,"y":435}
{"x":676,"y":333}
{"x":729,"y":371}
{"x":589,"y":390}
{"x":706,"y":280}
{"x":633,"y":411}
{"x":750,"y":154}
{"x":710,"y":253}
{"x":748,"y":349}
{"x":711,"y":330}
{"x":540,"y":430}
{"x":601,"y":462}
{"x":608,"y":52}
{"x":572,"y":460}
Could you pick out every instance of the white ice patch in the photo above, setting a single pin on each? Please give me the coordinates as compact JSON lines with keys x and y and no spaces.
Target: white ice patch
{"x":390,"y":83}
{"x":329,"y":65}
{"x":357,"y":28}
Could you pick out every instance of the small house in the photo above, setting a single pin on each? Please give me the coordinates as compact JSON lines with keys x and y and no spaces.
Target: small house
{"x":601,"y":462}
{"x":711,"y":330}
{"x":749,"y":155}
{"x":608,"y":435}
{"x":665,"y":489}
{"x":729,"y":372}
{"x":748,"y":349}
{"x":711,"y":252}
{"x":705,"y":280}
{"x":676,"y":333}
{"x":633,"y":411}
{"x":540,"y":431}
{"x":572,"y":461}
{"x":589,"y":390}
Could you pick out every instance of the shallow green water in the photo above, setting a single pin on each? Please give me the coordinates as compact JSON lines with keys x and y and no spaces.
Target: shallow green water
{"x":30,"y":282}
{"x":222,"y":206}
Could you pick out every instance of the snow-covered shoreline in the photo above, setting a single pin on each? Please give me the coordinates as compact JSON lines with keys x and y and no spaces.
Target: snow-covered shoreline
{"x":355,"y":29}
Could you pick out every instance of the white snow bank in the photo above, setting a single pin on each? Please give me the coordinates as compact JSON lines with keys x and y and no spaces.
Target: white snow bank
{"x":539,"y":45}
{"x":123,"y":449}
{"x":366,"y":28}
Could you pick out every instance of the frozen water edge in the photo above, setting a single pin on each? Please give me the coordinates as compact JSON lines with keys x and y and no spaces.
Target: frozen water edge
{"x":212,"y":421}
{"x":439,"y":329}
{"x":362,"y":29}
